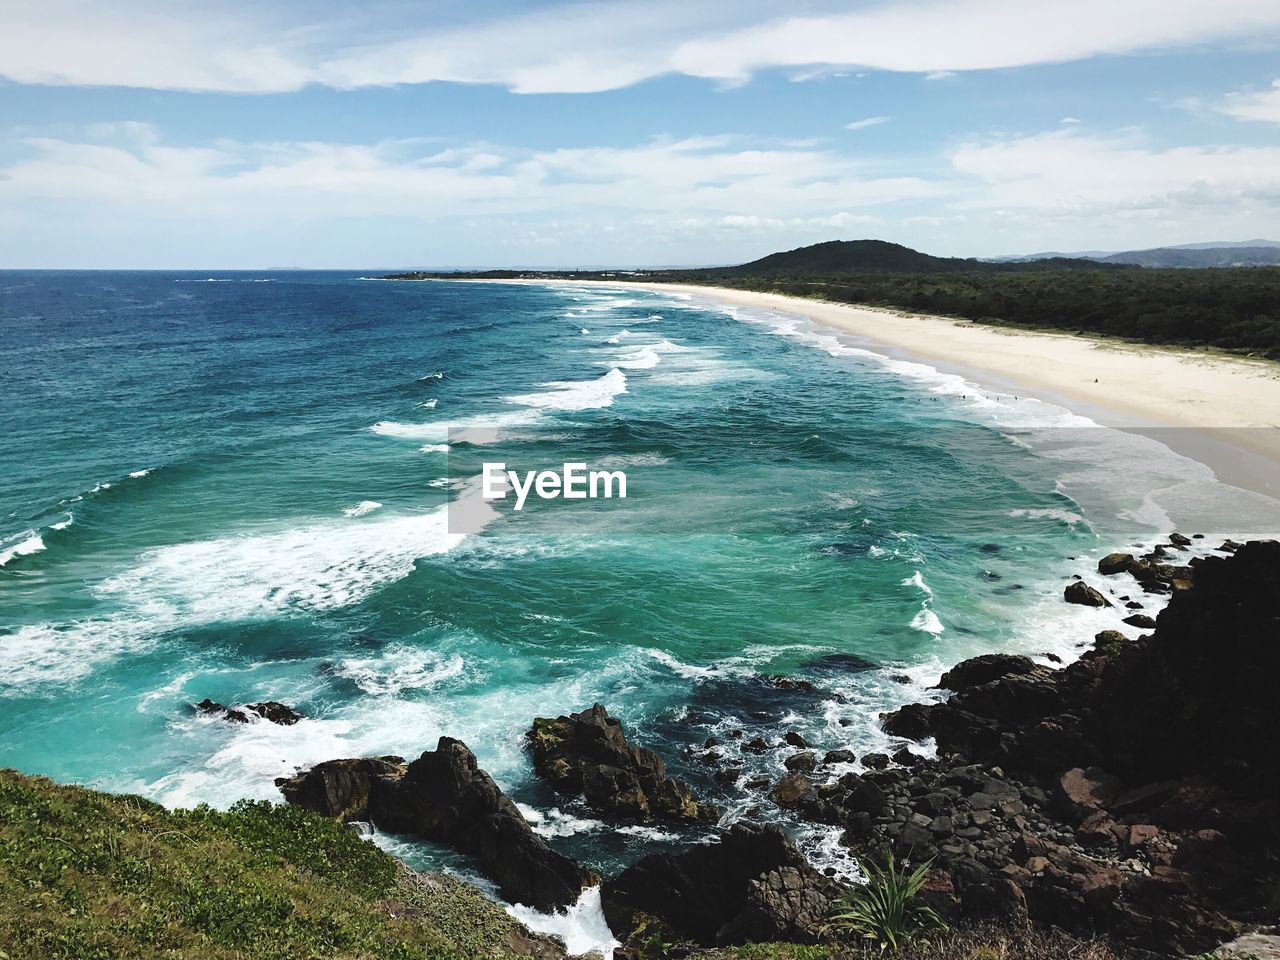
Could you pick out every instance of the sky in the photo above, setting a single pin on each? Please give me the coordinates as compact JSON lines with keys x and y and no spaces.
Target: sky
{"x":163,"y":134}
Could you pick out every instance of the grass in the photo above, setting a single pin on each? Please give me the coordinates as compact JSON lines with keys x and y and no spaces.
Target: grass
{"x":971,"y":943}
{"x":884,"y":910}
{"x":92,"y":876}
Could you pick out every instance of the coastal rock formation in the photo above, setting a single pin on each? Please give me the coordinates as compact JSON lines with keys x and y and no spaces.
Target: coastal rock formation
{"x":1135,"y":792}
{"x":1080,"y":592}
{"x":271,"y":710}
{"x":445,"y":797}
{"x":751,"y":886}
{"x":587,"y":753}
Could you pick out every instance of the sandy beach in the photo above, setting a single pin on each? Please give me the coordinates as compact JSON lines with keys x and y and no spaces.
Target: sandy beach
{"x":1222,"y":411}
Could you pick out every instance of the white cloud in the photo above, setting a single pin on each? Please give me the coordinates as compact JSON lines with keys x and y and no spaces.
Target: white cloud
{"x":130,"y":169}
{"x":1070,"y":120}
{"x":1065,"y":189}
{"x":866,"y":122}
{"x":579,"y":47}
{"x":1261,"y":105}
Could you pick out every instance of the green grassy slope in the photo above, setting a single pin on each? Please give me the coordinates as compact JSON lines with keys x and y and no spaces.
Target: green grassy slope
{"x":87,"y":875}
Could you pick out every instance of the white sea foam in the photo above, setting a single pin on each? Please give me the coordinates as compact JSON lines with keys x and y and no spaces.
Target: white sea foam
{"x":434,"y":448}
{"x":646,"y":833}
{"x":1049,"y":513}
{"x":927,"y":621}
{"x":362,"y":508}
{"x":917,"y":580}
{"x":21,"y":545}
{"x":63,"y":524}
{"x":399,"y":668}
{"x":435,"y":375}
{"x":584,"y":331}
{"x":318,"y":566}
{"x":138,"y":474}
{"x":428,"y":404}
{"x":554,"y":822}
{"x":573,"y":395}
{"x":582,"y":927}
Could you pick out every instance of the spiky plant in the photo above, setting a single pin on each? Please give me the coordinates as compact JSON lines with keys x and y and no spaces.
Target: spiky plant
{"x":884,"y":909}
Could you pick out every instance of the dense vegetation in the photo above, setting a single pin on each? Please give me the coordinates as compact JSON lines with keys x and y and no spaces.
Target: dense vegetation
{"x":86,"y":875}
{"x":1232,"y":309}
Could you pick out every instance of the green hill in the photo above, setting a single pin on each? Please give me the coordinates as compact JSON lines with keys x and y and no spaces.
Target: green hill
{"x":92,"y":876}
{"x":840,"y":257}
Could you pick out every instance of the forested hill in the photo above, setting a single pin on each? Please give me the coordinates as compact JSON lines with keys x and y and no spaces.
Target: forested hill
{"x":880,"y":256}
{"x":1236,"y":310}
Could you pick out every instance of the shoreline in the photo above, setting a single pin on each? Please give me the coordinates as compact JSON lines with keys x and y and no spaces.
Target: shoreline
{"x":1223,"y":412}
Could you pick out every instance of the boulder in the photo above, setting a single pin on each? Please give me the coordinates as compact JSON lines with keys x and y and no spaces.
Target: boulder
{"x":801,"y":762}
{"x":1080,"y":592}
{"x":752,"y":886}
{"x":912,"y":722}
{"x":791,"y":790}
{"x":445,"y":797}
{"x":979,"y":670}
{"x":1114,"y":563}
{"x":588,"y":754}
{"x":1141,"y":621}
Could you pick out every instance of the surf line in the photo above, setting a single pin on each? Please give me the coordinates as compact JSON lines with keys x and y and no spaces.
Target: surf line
{"x":573,"y":482}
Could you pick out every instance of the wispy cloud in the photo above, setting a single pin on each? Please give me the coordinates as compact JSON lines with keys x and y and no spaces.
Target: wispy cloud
{"x":866,"y":122}
{"x":1263,"y":105}
{"x":578,"y":47}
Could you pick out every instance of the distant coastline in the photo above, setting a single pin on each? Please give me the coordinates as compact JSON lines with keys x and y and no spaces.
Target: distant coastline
{"x":1214,"y":408}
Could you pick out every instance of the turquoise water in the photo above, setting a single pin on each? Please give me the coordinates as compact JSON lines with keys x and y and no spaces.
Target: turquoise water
{"x":239,"y":490}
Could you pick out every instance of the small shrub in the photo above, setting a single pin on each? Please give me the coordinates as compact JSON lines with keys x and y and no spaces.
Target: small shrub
{"x":884,"y":909}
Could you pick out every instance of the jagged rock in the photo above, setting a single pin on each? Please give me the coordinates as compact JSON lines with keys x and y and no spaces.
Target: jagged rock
{"x":1080,"y":592}
{"x":801,"y":762}
{"x":791,"y":790}
{"x":979,"y":670}
{"x":1114,"y":563}
{"x":912,"y":722}
{"x":1178,"y":540}
{"x":268,"y":710}
{"x":587,"y":753}
{"x":795,"y":739}
{"x":445,"y":797}
{"x":839,"y":756}
{"x":343,"y":788}
{"x":751,"y":886}
{"x":1109,"y":642}
{"x":1141,"y":621}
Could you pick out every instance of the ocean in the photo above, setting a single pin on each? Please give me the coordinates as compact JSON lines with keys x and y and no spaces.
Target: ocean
{"x":247,"y":487}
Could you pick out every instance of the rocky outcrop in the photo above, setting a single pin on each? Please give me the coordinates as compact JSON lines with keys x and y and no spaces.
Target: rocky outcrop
{"x":1135,"y":792}
{"x":445,"y":797}
{"x":588,"y":754}
{"x":270,"y":710}
{"x":984,"y":669}
{"x":750,"y":886}
{"x":1080,"y":592}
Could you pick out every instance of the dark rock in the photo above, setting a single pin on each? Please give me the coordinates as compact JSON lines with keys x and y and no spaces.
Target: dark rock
{"x":1178,"y":540}
{"x":839,"y":756}
{"x":796,"y":740}
{"x":801,"y":762}
{"x":445,"y":797}
{"x":751,"y":886}
{"x":984,"y":669}
{"x":1114,"y":563}
{"x":912,"y":722}
{"x":270,"y":710}
{"x":875,"y":761}
{"x":791,"y":790}
{"x":587,"y":753}
{"x":1081,"y":593}
{"x":1109,"y":642}
{"x":1086,"y":791}
{"x":1141,"y":621}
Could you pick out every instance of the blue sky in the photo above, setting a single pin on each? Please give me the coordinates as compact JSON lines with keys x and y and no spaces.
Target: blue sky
{"x":167,"y":134}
